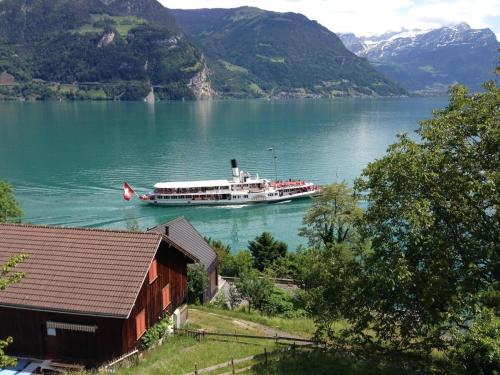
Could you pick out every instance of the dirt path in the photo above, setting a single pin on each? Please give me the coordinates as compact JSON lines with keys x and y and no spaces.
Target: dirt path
{"x":257,"y":326}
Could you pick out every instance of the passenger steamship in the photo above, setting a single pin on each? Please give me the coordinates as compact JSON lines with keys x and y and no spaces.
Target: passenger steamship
{"x":242,"y":189}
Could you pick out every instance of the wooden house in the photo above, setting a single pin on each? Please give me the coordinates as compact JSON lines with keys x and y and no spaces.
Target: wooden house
{"x":88,"y":296}
{"x":181,"y":232}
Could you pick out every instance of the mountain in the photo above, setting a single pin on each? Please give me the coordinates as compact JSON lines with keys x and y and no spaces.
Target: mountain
{"x":252,"y":52}
{"x":428,"y":61}
{"x":96,"y":49}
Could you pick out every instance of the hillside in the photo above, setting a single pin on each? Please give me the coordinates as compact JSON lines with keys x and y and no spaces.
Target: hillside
{"x":428,"y":61}
{"x":252,"y":52}
{"x":96,"y":49}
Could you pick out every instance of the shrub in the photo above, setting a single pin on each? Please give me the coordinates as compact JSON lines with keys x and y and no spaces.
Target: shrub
{"x":197,"y":282}
{"x":220,"y":301}
{"x":156,"y":332}
{"x":478,"y":349}
{"x":281,"y":303}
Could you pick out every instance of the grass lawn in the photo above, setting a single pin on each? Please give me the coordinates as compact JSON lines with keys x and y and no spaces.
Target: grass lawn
{"x":179,"y":354}
{"x":303,"y":327}
{"x":319,"y":363}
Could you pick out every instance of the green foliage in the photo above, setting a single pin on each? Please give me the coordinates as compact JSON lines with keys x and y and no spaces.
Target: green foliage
{"x":156,"y":332}
{"x":265,"y":250}
{"x":7,"y":277}
{"x":477,"y":349}
{"x":332,"y":216}
{"x":433,"y":220}
{"x":230,"y":264}
{"x":255,"y":288}
{"x":329,"y":277}
{"x":5,"y":360}
{"x":234,"y":297}
{"x":133,"y":226}
{"x":285,"y":266}
{"x":59,"y":41}
{"x":197,"y":282}
{"x":219,"y":301}
{"x":281,"y":303}
{"x":9,"y":207}
{"x":249,"y":48}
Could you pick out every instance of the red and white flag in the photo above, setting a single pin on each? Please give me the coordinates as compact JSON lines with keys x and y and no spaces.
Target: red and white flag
{"x":128,"y":192}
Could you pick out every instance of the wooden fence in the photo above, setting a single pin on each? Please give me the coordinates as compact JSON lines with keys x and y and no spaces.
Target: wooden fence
{"x":262,"y":358}
{"x":201,"y":334}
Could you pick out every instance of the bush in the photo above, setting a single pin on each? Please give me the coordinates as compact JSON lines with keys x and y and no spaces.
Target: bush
{"x":478,"y":350}
{"x":281,"y":303}
{"x":219,"y":301}
{"x":197,"y":282}
{"x":156,"y":332}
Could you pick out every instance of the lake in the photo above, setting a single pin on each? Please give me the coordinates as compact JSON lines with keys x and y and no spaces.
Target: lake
{"x":68,"y":161}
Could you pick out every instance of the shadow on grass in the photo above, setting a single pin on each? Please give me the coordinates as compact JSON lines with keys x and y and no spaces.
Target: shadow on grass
{"x":329,"y":363}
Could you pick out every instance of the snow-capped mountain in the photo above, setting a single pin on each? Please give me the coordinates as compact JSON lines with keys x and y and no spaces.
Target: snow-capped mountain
{"x":428,"y":61}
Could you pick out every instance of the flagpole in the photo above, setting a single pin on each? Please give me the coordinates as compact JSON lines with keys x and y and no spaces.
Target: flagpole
{"x":274,"y":159}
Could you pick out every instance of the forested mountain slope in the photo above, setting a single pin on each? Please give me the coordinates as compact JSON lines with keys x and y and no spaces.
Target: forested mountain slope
{"x":125,"y":45}
{"x":262,"y":53}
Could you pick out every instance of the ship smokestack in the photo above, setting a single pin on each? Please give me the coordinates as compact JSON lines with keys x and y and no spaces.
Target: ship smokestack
{"x":236,"y":172}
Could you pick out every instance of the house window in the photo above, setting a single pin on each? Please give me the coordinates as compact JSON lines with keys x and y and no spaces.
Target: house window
{"x":153,"y":271}
{"x":140,"y":323}
{"x":165,"y":294}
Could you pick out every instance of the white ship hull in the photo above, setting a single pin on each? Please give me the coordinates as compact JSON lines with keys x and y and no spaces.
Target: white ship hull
{"x":256,"y":199}
{"x":243,"y":189}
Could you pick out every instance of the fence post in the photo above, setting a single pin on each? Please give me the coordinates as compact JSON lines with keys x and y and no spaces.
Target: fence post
{"x":232,"y":365}
{"x":276,"y":338}
{"x":195,"y":369}
{"x":293,"y":349}
{"x":265,"y":356}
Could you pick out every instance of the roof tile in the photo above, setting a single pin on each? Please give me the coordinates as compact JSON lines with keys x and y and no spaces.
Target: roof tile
{"x":76,"y":270}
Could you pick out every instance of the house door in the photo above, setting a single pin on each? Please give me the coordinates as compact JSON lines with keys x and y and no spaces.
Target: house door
{"x":68,"y":342}
{"x":50,"y":342}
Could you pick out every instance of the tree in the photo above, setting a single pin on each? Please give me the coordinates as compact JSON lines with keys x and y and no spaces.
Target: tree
{"x":254,"y":287}
{"x":9,"y":208}
{"x":329,"y":278}
{"x":8,"y":277}
{"x":266,"y":250}
{"x":197,"y":282}
{"x":433,"y":219}
{"x":332,"y":216}
{"x":230,"y":264}
{"x":477,"y":350}
{"x":133,"y":226}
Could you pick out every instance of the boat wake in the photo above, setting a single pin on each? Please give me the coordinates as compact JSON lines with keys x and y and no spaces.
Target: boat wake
{"x":230,"y":207}
{"x":288,"y":201}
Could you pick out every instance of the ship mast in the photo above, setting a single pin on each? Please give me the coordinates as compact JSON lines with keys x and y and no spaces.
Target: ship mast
{"x":274,"y":160}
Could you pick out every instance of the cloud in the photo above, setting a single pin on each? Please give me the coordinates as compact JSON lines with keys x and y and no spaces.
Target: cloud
{"x":365,"y":16}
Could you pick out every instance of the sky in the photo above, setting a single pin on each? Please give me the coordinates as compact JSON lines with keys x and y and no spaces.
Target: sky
{"x":365,"y":17}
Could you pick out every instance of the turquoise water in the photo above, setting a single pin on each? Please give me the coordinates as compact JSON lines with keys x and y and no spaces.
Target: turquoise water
{"x":67,"y":161}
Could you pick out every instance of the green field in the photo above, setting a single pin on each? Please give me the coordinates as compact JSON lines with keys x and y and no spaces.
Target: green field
{"x":123,"y":24}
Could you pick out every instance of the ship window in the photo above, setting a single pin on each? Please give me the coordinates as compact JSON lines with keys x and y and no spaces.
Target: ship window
{"x":246,"y":196}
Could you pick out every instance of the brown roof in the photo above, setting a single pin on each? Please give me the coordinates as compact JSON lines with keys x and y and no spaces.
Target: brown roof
{"x":86,"y":271}
{"x":181,"y":232}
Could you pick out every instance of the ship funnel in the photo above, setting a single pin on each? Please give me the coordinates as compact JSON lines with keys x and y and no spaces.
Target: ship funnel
{"x":236,"y":172}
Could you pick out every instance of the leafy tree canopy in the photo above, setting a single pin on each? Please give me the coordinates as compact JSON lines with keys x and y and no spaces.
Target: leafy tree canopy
{"x":9,"y":207}
{"x":8,"y":277}
{"x":197,"y":282}
{"x":266,"y":250}
{"x":332,"y":216}
{"x":433,"y":219}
